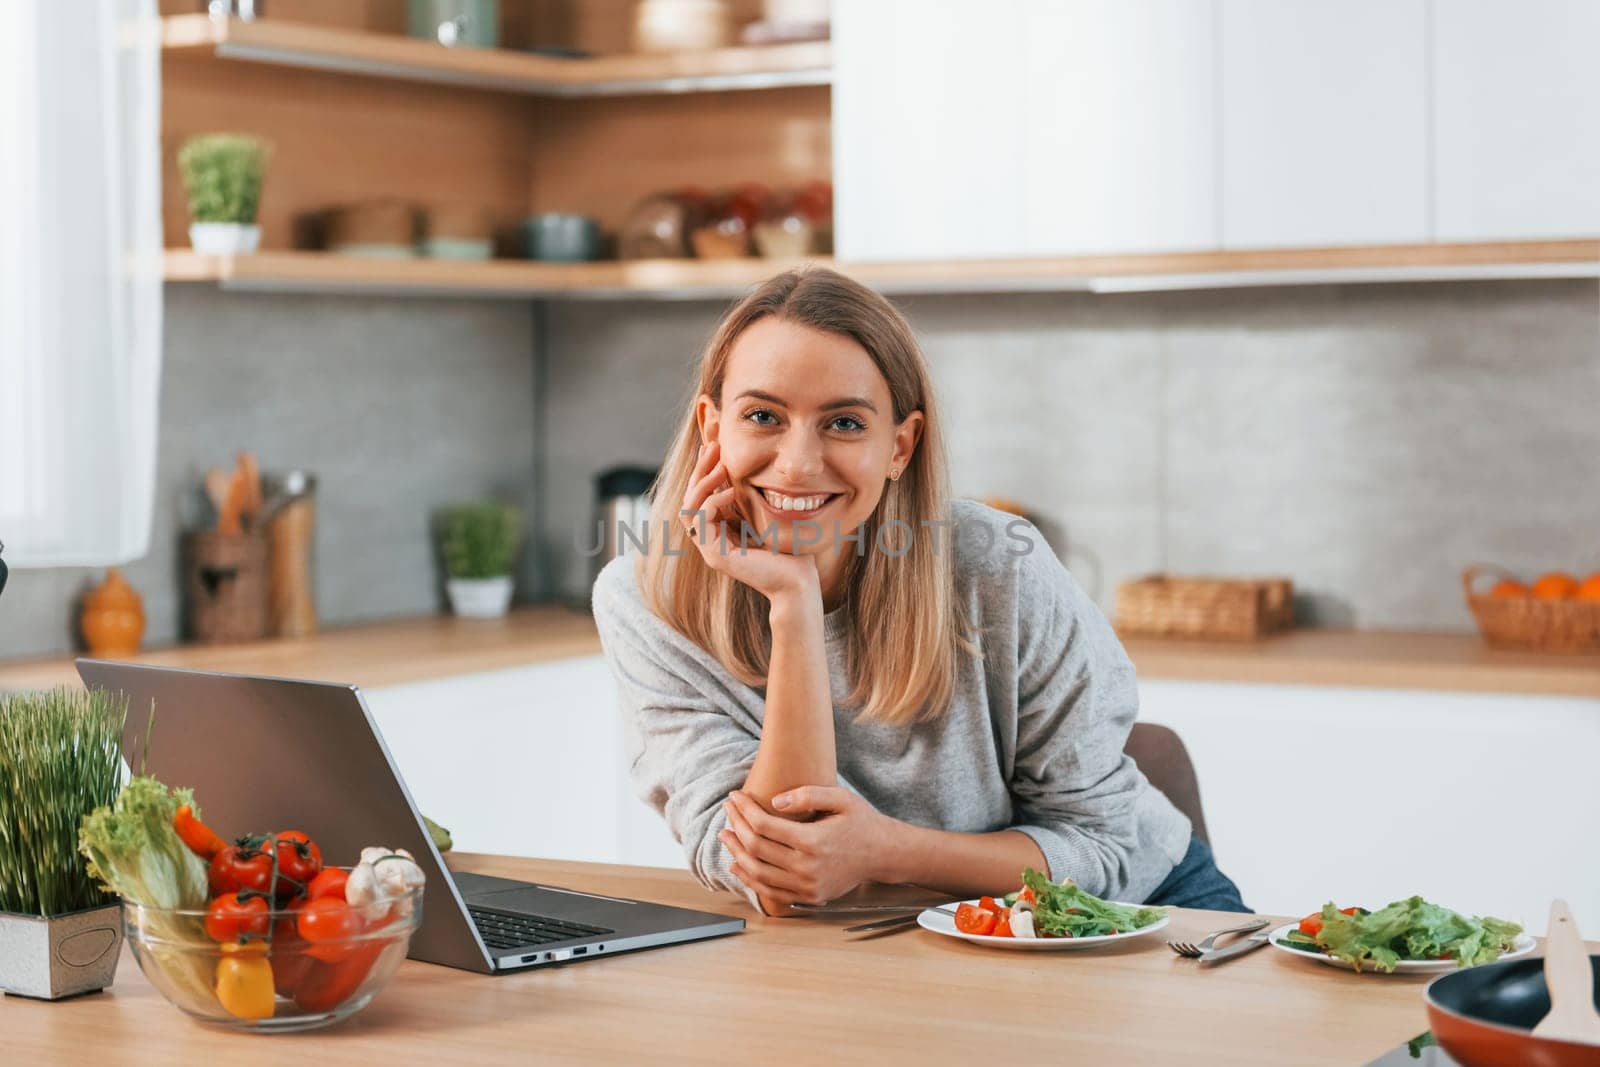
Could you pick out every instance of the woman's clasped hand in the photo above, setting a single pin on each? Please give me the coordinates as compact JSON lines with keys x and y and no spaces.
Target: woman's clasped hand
{"x":845,"y":842}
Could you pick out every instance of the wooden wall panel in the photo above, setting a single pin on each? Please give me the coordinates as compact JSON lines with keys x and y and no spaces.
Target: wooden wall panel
{"x":601,"y":157}
{"x":339,"y":139}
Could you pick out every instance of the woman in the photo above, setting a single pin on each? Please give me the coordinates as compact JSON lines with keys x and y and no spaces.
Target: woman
{"x":833,"y":675}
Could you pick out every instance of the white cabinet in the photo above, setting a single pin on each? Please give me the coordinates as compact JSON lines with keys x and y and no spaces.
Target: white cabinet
{"x":1074,"y":127}
{"x":928,"y":114}
{"x":526,"y":762}
{"x":1023,"y":127}
{"x":1517,"y":119}
{"x":1479,"y":802}
{"x":1311,"y":793}
{"x":1120,"y":148}
{"x":1324,"y":125}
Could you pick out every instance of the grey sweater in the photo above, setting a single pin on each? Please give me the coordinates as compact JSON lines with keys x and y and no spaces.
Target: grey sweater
{"x":1032,"y":739}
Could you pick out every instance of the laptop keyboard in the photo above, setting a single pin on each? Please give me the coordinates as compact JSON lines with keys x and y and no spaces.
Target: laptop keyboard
{"x":502,"y":929}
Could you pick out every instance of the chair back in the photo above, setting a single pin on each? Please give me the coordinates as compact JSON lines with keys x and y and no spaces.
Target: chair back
{"x":1160,"y":754}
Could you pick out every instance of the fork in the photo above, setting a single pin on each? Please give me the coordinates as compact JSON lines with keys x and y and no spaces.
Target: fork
{"x":1193,"y":951}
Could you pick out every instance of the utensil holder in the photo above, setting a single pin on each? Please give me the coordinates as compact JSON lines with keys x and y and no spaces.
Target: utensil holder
{"x":225,"y":582}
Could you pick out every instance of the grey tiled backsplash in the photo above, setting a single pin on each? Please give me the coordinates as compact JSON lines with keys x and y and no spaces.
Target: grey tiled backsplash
{"x":1367,"y":440}
{"x":397,"y":406}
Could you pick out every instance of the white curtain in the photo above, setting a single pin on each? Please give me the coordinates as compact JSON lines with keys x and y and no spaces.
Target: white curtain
{"x":80,"y":279}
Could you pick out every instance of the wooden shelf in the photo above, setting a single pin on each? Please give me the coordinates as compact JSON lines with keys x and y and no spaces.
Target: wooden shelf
{"x":690,"y":279}
{"x":511,"y":278}
{"x":386,"y":55}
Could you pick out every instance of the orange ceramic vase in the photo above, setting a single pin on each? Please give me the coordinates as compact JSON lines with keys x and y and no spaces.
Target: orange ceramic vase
{"x":113,"y":618}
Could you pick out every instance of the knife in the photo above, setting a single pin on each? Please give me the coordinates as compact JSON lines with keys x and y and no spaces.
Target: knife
{"x":1237,"y":948}
{"x":886,"y":924}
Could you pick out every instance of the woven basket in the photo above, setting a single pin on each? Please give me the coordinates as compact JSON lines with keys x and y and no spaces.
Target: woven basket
{"x":1528,"y":622}
{"x":1219,"y":609}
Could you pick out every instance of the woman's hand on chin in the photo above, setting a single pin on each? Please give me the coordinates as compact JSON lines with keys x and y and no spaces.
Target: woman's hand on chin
{"x":714,"y":522}
{"x":788,"y":862}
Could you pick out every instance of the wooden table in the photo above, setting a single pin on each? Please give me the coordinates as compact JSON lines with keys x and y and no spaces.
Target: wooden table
{"x":785,"y":991}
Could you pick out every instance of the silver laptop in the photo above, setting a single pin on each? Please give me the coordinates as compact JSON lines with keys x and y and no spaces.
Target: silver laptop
{"x":264,"y":754}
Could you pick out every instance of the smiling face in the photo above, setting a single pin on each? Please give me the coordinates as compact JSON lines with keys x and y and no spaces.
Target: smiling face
{"x":807,"y":431}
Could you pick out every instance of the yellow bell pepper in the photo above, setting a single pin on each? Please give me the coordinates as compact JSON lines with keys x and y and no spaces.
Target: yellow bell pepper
{"x":244,"y":981}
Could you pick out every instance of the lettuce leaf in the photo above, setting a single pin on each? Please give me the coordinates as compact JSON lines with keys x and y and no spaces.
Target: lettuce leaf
{"x":134,"y":851}
{"x":1067,"y":911}
{"x":1413,"y":929}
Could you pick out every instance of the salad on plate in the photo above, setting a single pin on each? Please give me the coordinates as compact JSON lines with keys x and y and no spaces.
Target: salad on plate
{"x":1402,"y":936}
{"x":1044,"y":909}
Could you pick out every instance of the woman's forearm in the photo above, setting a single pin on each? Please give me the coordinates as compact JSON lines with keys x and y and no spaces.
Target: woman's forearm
{"x":960,"y":864}
{"x":797,"y":729}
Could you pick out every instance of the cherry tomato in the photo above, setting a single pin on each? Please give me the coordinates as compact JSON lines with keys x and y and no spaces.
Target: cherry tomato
{"x":989,"y":904}
{"x":1351,"y":911}
{"x":1028,"y":894}
{"x":971,"y":919}
{"x":329,"y":882}
{"x":234,"y":917}
{"x":1311,"y":925}
{"x":238,"y":867}
{"x":330,"y":926}
{"x":244,"y":981}
{"x":1002,"y":926}
{"x":299,"y":860}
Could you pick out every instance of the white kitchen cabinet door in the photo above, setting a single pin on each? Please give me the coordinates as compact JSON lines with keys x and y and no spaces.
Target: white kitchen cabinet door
{"x":928,"y":129}
{"x":1121,"y":135}
{"x":1324,"y":124}
{"x":1484,"y":803}
{"x":1516,"y":119}
{"x":524,"y":762}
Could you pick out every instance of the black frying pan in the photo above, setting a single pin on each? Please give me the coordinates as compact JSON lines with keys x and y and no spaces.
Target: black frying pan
{"x":1484,"y":1017}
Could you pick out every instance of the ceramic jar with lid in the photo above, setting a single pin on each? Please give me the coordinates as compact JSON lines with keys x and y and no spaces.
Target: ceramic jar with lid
{"x":113,"y":618}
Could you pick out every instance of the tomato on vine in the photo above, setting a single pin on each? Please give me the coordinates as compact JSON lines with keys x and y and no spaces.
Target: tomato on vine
{"x":299,"y":861}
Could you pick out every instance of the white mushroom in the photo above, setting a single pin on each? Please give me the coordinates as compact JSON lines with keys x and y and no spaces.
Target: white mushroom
{"x":381,"y":876}
{"x":1022,"y":919}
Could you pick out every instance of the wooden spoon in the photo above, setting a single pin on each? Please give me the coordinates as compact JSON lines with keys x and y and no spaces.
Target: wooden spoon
{"x":1570,"y":977}
{"x":217,"y":488}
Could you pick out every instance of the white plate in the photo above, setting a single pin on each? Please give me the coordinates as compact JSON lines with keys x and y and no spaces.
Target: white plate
{"x":1521,"y":947}
{"x":940,"y":923}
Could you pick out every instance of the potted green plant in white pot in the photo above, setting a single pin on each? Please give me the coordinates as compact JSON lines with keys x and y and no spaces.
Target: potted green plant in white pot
{"x":60,"y":758}
{"x":222,"y":173}
{"x":479,"y":542}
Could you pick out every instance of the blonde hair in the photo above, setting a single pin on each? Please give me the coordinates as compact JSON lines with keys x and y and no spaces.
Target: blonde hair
{"x":905,"y":625}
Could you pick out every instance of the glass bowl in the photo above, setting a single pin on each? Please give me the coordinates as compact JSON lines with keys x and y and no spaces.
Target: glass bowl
{"x":311,"y":984}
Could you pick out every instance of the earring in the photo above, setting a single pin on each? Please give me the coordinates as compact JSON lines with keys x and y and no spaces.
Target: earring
{"x":894,"y":474}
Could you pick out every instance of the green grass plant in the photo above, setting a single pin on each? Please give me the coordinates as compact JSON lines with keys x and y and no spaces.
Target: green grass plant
{"x":60,"y":758}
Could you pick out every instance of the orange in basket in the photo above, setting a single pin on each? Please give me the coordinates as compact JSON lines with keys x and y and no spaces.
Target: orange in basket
{"x":1555,"y":585}
{"x":1561,"y":615}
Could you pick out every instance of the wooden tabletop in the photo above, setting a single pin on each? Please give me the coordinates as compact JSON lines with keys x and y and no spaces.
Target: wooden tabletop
{"x":414,"y":650}
{"x":789,"y":991}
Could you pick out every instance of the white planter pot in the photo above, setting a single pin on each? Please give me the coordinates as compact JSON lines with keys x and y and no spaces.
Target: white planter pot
{"x":479,"y":598}
{"x":60,"y":956}
{"x":224,"y":238}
